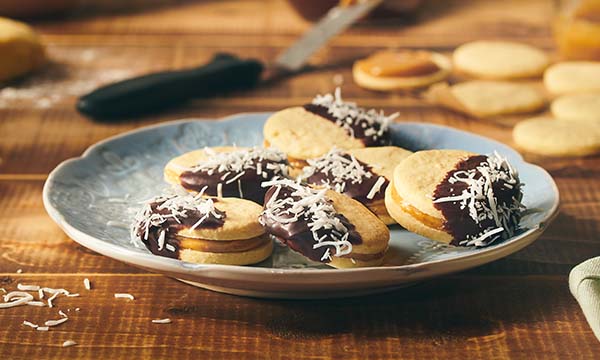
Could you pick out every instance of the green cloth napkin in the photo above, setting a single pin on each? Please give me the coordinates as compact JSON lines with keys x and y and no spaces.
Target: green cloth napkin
{"x":584,"y":282}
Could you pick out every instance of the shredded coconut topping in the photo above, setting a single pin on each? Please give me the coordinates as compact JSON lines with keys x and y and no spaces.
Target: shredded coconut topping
{"x":175,"y":206}
{"x":124,"y":296}
{"x":348,"y":115}
{"x":339,"y":167}
{"x":479,"y":198}
{"x":161,"y":321}
{"x":69,"y":343}
{"x":235,"y":164}
{"x":312,"y":205}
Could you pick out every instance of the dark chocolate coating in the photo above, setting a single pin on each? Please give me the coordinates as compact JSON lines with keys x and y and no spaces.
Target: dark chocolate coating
{"x":458,"y":222}
{"x":171,"y":227}
{"x":357,"y":191}
{"x":297,"y":235}
{"x":250,"y":181}
{"x":357,"y":128}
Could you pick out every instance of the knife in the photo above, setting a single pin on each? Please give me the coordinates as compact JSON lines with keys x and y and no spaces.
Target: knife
{"x":224,"y":73}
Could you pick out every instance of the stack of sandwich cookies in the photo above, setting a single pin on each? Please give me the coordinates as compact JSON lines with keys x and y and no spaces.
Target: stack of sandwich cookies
{"x":362,"y":174}
{"x":311,"y":130}
{"x":323,"y":225}
{"x":203,"y":230}
{"x":456,"y":197}
{"x":227,"y":171}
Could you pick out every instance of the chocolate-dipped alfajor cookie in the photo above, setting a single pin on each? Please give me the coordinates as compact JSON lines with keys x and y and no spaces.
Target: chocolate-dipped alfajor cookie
{"x":362,"y":174}
{"x":309,"y":131}
{"x":324,"y":225}
{"x":456,"y":197}
{"x":202,"y":230}
{"x":227,"y":171}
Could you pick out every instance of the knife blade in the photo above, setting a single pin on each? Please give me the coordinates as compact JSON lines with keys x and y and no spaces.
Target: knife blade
{"x":224,"y":73}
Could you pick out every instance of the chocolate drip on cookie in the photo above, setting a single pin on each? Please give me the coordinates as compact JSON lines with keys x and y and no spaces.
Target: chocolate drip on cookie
{"x":236,"y":174}
{"x":368,"y":126}
{"x":306,"y":221}
{"x":347,"y":175}
{"x":480,"y":200}
{"x":159,"y":221}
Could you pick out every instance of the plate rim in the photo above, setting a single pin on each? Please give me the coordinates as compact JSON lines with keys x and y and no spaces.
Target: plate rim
{"x":180,"y":267}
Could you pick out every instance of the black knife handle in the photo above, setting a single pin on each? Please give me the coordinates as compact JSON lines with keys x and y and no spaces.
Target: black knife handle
{"x":158,"y":91}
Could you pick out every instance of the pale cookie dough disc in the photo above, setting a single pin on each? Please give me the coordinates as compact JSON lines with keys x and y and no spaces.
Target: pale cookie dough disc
{"x":303,"y":135}
{"x":573,"y":77}
{"x":484,"y":98}
{"x":577,"y":107}
{"x":241,"y":222}
{"x":388,"y":83}
{"x":552,"y":137}
{"x":499,"y":60}
{"x":21,"y":50}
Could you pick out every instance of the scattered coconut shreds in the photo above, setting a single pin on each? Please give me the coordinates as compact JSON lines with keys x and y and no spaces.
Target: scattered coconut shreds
{"x":56,"y":322}
{"x":3,"y":290}
{"x":124,"y":296}
{"x":72,"y":295}
{"x":42,"y":328}
{"x":20,"y":300}
{"x":77,"y":309}
{"x":19,"y":271}
{"x":24,"y":287}
{"x":161,"y":321}
{"x":30,"y":324}
{"x":37,"y":303}
{"x":61,"y":313}
{"x":87,"y":284}
{"x":69,"y":343}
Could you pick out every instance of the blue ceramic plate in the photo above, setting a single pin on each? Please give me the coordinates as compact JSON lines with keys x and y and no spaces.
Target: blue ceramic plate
{"x":93,"y":197}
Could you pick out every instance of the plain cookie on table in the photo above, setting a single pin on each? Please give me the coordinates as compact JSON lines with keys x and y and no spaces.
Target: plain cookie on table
{"x":485,"y":98}
{"x":577,"y":107}
{"x":547,"y":136}
{"x":499,"y":60}
{"x":573,"y":77}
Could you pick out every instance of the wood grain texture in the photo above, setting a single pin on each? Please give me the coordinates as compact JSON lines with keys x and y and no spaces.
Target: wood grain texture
{"x":517,"y":307}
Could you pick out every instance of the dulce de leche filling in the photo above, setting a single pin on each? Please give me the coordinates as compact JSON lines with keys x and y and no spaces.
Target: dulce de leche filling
{"x":229,"y":246}
{"x":399,"y":64}
{"x":425,"y":219}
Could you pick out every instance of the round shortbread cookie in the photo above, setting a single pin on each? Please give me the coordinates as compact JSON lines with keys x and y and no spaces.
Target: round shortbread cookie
{"x":21,"y":48}
{"x":383,"y":159}
{"x":573,"y":77}
{"x":547,"y":136}
{"x":499,"y":60}
{"x":577,"y":107}
{"x":304,"y":135}
{"x":388,"y":83}
{"x":483,"y":98}
{"x":240,"y":223}
{"x":248,"y":257}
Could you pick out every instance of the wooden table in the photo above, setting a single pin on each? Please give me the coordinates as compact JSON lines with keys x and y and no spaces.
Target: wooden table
{"x":518,"y":307}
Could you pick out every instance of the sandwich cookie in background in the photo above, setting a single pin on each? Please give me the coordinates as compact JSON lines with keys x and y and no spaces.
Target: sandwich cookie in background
{"x":309,"y":131}
{"x":323,"y":225}
{"x":400,"y":69}
{"x":362,"y":174}
{"x":499,"y":60}
{"x":484,"y":98}
{"x":456,"y":197}
{"x":202,"y":230}
{"x":227,"y":171}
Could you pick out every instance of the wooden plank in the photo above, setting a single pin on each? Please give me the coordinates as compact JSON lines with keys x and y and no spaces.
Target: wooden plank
{"x":491,"y":317}
{"x":439,"y":23}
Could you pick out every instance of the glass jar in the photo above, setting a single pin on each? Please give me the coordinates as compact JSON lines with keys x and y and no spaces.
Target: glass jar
{"x":577,"y":29}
